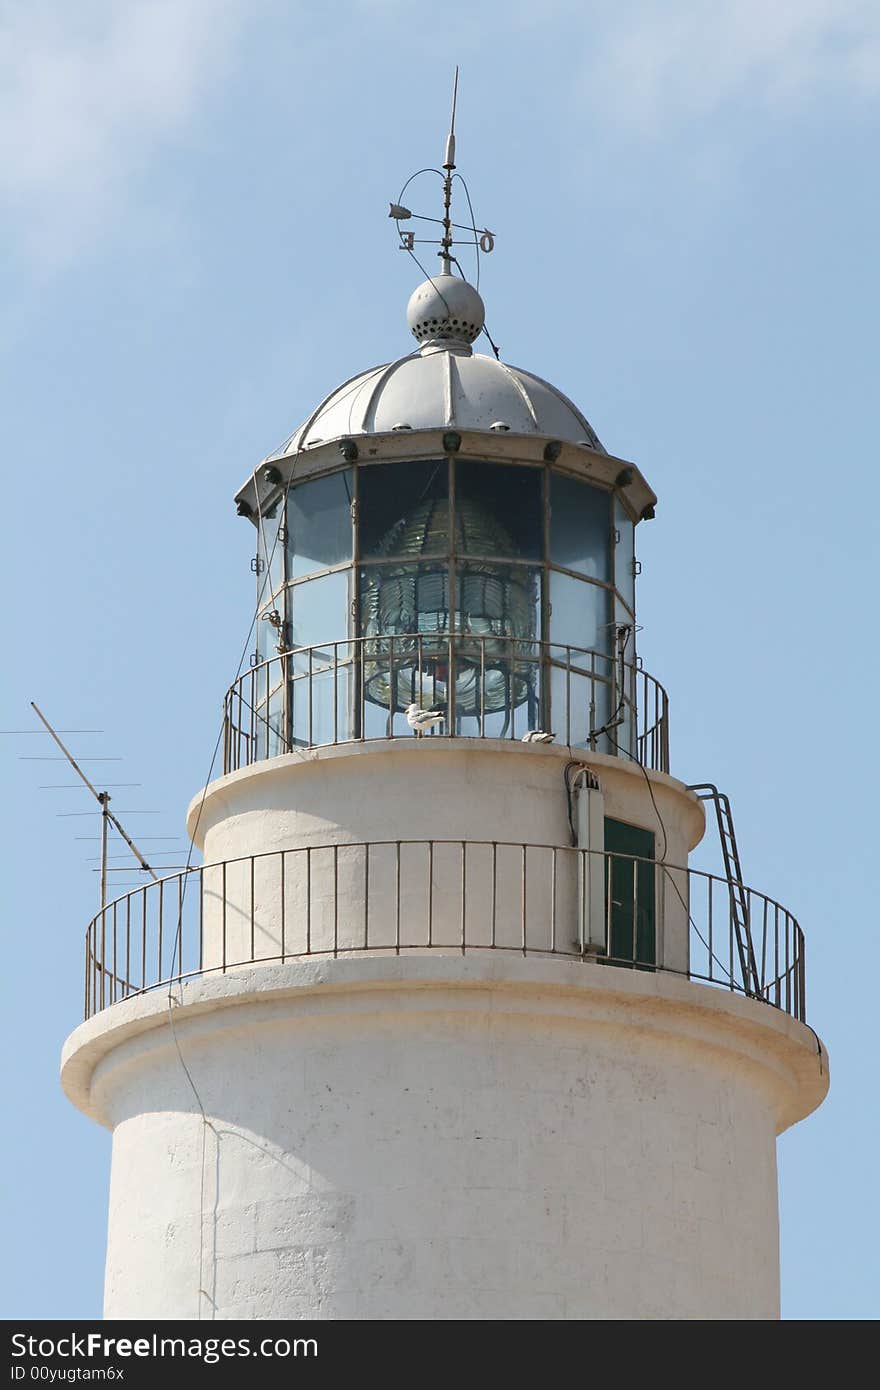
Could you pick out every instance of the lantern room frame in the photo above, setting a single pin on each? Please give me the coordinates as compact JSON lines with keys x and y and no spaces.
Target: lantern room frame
{"x":296,"y":640}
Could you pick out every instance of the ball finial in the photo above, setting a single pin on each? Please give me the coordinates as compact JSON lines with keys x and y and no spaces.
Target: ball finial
{"x":445,"y":312}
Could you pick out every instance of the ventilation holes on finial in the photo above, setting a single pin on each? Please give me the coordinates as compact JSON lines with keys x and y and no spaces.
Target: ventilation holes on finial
{"x":427,"y":329}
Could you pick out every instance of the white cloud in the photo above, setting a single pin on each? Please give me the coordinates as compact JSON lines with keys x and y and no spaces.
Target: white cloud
{"x":657,"y":61}
{"x":88,"y":90}
{"x":92,"y":90}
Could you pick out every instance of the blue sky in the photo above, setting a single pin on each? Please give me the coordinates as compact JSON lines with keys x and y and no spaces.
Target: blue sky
{"x":195,"y":249}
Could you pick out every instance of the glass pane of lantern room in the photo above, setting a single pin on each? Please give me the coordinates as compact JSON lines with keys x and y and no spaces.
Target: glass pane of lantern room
{"x":269,"y":732}
{"x":403,"y":509}
{"x":626,"y":679}
{"x":580,"y":614}
{"x":499,"y":601}
{"x":319,"y":524}
{"x":321,"y":707}
{"x":404,"y":617}
{"x":396,"y":599}
{"x":498,"y":510}
{"x":498,"y":622}
{"x":624,"y":555}
{"x":319,"y":612}
{"x":270,"y":552}
{"x":267,"y":633}
{"x":580,"y":527}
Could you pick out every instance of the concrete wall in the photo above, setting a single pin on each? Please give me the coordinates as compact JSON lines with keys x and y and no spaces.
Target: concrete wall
{"x":466,"y":789}
{"x":441,"y":1138}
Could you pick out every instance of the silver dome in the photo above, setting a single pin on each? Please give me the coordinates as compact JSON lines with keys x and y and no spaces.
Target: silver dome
{"x":442,"y":387}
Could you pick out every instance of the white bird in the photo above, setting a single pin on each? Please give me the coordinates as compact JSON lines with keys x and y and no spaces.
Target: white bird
{"x":537,"y":736}
{"x":420,"y":719}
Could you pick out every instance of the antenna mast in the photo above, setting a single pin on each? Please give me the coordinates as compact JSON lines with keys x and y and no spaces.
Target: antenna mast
{"x":449,"y":166}
{"x":480,"y":238}
{"x":107,"y":816}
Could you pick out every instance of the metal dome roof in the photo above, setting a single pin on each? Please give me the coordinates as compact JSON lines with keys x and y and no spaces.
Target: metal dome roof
{"x":439,"y":387}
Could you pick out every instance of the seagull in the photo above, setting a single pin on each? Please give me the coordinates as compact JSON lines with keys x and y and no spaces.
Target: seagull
{"x":537,"y":736}
{"x":420,"y":719}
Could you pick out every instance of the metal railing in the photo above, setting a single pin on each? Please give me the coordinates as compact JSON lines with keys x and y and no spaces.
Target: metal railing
{"x":429,"y":896}
{"x":487,"y":686}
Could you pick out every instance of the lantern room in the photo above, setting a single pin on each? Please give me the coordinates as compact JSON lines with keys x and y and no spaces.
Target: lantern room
{"x":445,"y":531}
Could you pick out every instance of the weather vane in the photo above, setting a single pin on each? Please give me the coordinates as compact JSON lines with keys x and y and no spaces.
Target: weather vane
{"x":482,"y":239}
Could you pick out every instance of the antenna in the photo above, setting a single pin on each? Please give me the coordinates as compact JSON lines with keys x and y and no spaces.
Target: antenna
{"x":107,"y":816}
{"x":479,"y":238}
{"x":449,"y":166}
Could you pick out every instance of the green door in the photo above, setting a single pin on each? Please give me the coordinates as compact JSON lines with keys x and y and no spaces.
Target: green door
{"x":630,"y":893}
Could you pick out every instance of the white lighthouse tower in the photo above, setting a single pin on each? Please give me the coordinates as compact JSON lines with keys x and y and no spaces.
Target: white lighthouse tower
{"x":445,"y":1026}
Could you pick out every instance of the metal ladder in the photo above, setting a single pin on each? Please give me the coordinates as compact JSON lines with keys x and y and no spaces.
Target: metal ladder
{"x":739,"y":903}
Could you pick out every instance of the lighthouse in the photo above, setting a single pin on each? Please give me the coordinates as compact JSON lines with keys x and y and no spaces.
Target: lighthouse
{"x":445,"y":1026}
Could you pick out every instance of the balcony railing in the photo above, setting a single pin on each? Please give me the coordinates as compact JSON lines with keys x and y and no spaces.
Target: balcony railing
{"x":443,"y":897}
{"x":487,"y":687}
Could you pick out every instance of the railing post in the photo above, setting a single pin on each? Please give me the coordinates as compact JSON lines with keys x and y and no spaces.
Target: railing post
{"x":711,"y":905}
{"x":392,"y":688}
{"x":283,"y":903}
{"x":335,"y":900}
{"x":178,"y":933}
{"x":359,"y":688}
{"x":286,"y":697}
{"x":553,"y":867}
{"x":494,"y":891}
{"x":308,"y":900}
{"x":397,"y":899}
{"x":335,"y":693}
{"x":311,"y":695}
{"x":463,"y":896}
{"x":252,"y":738}
{"x":161,"y":923}
{"x":523,"y":888}
{"x":128,"y":944}
{"x":366,"y":896}
{"x":253,"y":909}
{"x":430,"y":892}
{"x":103,"y":952}
{"x":223,"y":916}
{"x":115,"y":961}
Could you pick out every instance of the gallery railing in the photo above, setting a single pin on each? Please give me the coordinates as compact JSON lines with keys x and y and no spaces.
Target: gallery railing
{"x":448,"y":897}
{"x":485,"y":686}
